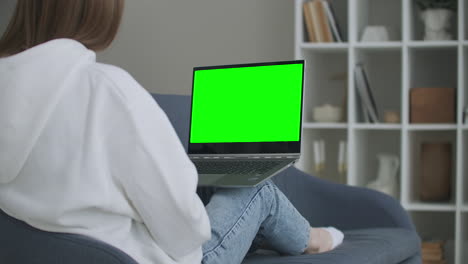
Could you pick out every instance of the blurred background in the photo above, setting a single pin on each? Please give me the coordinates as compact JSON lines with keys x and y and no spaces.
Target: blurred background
{"x":161,"y":41}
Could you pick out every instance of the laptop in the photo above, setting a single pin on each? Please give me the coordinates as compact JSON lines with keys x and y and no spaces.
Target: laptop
{"x":246,"y":121}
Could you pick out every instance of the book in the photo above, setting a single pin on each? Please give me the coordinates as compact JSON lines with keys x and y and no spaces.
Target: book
{"x":365,"y":93}
{"x":324,"y":24}
{"x":314,"y":9}
{"x":362,"y":114}
{"x":432,"y":257}
{"x":373,"y":110}
{"x":309,"y":22}
{"x":332,"y":22}
{"x":433,"y":244}
{"x":319,"y":20}
{"x":431,"y":251}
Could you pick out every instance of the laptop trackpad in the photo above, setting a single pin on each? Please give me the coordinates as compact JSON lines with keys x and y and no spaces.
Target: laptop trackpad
{"x":209,"y":179}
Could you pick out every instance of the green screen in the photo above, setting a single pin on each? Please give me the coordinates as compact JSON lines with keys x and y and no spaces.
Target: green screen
{"x":247,"y":104}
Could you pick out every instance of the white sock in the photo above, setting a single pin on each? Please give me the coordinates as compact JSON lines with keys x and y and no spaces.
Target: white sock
{"x":337,"y":236}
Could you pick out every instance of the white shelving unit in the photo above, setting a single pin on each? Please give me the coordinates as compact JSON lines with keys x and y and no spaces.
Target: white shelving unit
{"x":393,"y":68}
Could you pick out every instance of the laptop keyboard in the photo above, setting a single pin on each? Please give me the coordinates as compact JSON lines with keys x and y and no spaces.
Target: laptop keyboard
{"x":235,"y":167}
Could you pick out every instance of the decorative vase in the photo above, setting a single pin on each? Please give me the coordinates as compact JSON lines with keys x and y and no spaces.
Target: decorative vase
{"x":386,"y":180}
{"x":436,"y":23}
{"x":375,"y":34}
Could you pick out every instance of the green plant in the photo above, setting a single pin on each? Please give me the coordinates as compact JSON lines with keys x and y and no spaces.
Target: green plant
{"x":433,"y":4}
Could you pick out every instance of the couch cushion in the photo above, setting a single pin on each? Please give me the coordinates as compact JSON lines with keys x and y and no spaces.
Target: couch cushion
{"x":377,"y":245}
{"x":177,"y":109}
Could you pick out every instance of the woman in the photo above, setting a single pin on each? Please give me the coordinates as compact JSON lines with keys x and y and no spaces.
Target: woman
{"x":86,"y":150}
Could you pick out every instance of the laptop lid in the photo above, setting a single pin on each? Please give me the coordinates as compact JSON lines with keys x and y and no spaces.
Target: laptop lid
{"x":247,"y":108}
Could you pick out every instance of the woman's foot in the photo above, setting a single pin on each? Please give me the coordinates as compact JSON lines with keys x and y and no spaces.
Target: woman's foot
{"x":323,"y":240}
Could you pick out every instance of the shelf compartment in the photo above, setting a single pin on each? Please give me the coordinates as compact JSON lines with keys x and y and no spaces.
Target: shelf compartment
{"x":440,"y":227}
{"x":368,"y":145}
{"x":379,"y":13}
{"x":416,"y":25}
{"x":433,"y":67}
{"x":340,"y":9}
{"x":331,"y":139}
{"x":383,"y":69}
{"x":412,"y":170}
{"x":326,"y":81}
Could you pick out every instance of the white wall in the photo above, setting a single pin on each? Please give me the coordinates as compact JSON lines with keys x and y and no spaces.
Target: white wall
{"x":161,"y":41}
{"x":6,"y":9}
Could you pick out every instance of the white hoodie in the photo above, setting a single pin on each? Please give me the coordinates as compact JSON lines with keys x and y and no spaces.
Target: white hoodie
{"x":85,"y":149}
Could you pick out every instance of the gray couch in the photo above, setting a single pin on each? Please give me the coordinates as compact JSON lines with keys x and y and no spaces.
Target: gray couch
{"x":376,"y":227}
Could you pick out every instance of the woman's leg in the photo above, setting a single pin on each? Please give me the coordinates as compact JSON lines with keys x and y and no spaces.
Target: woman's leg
{"x":241,"y":215}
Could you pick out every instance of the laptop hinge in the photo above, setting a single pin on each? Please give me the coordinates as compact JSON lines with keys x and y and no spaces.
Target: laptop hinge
{"x":246,"y":156}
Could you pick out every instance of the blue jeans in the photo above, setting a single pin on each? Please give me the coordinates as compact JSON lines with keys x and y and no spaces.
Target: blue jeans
{"x":246,"y":219}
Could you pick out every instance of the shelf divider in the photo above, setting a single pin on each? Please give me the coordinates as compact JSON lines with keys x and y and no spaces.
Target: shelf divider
{"x":315,"y":125}
{"x":436,"y":207}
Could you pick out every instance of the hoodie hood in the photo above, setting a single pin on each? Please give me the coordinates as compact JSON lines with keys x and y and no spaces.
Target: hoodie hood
{"x":31,"y":85}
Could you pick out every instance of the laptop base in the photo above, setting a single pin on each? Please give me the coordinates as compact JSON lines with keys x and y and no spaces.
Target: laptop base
{"x":239,"y":180}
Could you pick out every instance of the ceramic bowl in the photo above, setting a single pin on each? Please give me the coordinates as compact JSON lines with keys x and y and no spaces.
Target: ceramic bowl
{"x":327,"y":114}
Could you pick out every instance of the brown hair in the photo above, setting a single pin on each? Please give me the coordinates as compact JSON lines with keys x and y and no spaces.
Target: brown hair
{"x":94,"y":23}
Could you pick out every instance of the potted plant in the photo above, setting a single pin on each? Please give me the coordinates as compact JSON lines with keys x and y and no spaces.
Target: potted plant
{"x":436,"y":15}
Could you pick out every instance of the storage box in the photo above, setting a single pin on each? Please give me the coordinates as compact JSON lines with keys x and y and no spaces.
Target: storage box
{"x":432,"y":105}
{"x":436,"y":171}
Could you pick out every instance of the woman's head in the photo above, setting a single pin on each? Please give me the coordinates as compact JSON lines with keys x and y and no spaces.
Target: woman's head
{"x":94,"y":23}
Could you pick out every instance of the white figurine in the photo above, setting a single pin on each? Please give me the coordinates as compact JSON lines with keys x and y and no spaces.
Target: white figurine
{"x":437,"y":23}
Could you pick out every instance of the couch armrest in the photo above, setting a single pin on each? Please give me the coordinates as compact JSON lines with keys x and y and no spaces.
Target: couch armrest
{"x":22,"y":243}
{"x":329,"y":204}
